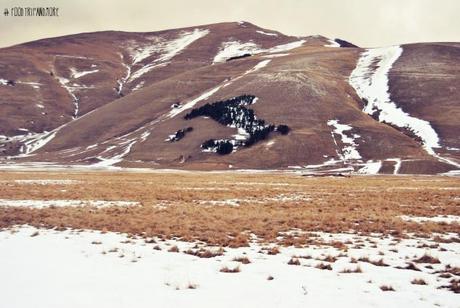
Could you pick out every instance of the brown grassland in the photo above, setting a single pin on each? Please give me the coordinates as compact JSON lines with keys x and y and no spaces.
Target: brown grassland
{"x":225,"y":208}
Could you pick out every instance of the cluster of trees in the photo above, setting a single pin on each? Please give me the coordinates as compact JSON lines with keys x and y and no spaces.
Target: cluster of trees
{"x":180,"y":134}
{"x":239,"y":57}
{"x":233,"y":112}
{"x":10,"y":82}
{"x":221,"y":147}
{"x":344,"y":43}
{"x":283,"y":129}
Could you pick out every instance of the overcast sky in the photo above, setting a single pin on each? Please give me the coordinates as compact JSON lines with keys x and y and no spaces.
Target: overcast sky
{"x":364,"y":22}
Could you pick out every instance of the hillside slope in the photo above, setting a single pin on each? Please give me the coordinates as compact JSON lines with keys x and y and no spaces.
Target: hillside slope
{"x":271,"y":102}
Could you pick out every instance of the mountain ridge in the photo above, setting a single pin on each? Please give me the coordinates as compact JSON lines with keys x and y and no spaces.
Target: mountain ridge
{"x":82,"y":100}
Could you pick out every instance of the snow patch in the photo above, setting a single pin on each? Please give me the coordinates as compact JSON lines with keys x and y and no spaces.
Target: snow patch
{"x":70,"y":89}
{"x":286,"y":47}
{"x":76,"y":74}
{"x":236,"y":48}
{"x":267,"y":33}
{"x":349,"y":151}
{"x":165,"y":49}
{"x":370,"y":80}
{"x":277,"y":55}
{"x":46,"y":182}
{"x":371,"y":167}
{"x":332,"y":43}
{"x":397,"y":164}
{"x":34,"y":141}
{"x":438,"y":219}
{"x":138,"y":86}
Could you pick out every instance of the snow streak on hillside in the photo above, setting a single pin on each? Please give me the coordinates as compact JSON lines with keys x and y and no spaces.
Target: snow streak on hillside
{"x":77,"y":74}
{"x":71,"y":90}
{"x":349,"y":150}
{"x":370,"y":80}
{"x":236,"y":48}
{"x":164,"y":48}
{"x":29,"y":142}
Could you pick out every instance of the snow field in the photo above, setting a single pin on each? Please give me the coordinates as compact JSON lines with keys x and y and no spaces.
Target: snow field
{"x":49,"y":268}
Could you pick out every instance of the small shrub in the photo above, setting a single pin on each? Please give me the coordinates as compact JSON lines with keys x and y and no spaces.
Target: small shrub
{"x":349,"y":270}
{"x":294,"y":261}
{"x":226,"y":269}
{"x":205,"y":253}
{"x":329,"y":258}
{"x":452,"y":270}
{"x":427,"y":259}
{"x":273,"y":251}
{"x":241,"y":240}
{"x":324,"y":266}
{"x":386,"y":288}
{"x":192,"y":286}
{"x":173,"y":249}
{"x":418,"y":281}
{"x":376,"y":263}
{"x":455,"y":285}
{"x":243,"y":260}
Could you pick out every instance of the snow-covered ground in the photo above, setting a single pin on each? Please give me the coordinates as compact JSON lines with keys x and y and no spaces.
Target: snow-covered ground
{"x":50,"y":268}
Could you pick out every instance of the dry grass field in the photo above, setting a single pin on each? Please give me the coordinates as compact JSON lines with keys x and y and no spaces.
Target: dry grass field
{"x":227,"y":209}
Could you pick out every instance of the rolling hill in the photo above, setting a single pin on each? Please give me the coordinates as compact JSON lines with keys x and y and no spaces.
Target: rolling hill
{"x":230,"y":96}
